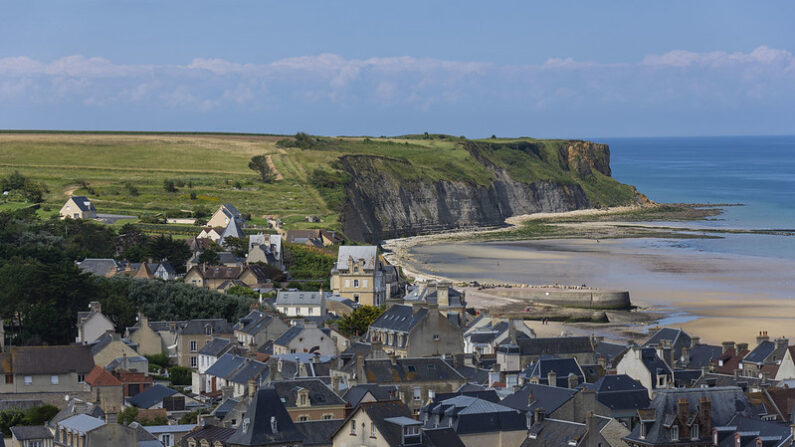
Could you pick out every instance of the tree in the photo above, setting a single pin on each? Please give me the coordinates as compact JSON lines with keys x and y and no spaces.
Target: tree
{"x":358,"y":321}
{"x":259,"y":164}
{"x":127,"y":416}
{"x":242,"y":291}
{"x":237,"y":245}
{"x":169,"y":186}
{"x":209,"y":257}
{"x":179,"y":375}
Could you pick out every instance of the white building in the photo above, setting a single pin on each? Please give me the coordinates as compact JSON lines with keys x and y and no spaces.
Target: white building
{"x":301,"y":304}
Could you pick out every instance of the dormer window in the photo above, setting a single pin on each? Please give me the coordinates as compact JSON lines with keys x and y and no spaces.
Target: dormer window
{"x":675,"y":433}
{"x":274,"y":427}
{"x":353,"y":426}
{"x":642,"y":430}
{"x":244,"y":424}
{"x":694,"y":431}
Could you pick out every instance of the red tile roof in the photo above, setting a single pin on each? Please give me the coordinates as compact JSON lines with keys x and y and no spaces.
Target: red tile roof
{"x":99,"y":377}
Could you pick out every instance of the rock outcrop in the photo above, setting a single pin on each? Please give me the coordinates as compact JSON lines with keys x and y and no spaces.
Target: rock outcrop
{"x":382,"y":205}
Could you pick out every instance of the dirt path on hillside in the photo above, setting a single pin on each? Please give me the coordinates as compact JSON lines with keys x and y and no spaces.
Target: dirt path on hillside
{"x":277,"y":175}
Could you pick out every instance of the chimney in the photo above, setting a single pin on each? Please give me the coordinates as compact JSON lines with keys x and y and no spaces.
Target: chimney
{"x":252,"y":388}
{"x":695,"y":341}
{"x":573,"y":380}
{"x":512,"y":330}
{"x":727,"y":346}
{"x":443,"y":293}
{"x":458,"y":360}
{"x":540,"y":415}
{"x":683,"y":410}
{"x":736,"y":373}
{"x":742,"y":347}
{"x":602,"y":361}
{"x":417,"y":306}
{"x":111,"y":416}
{"x":705,"y":415}
{"x":782,"y":343}
{"x":530,"y":398}
{"x":762,"y":337}
{"x":95,"y":306}
{"x":335,"y":384}
{"x":301,"y":368}
{"x":227,"y":391}
{"x":552,"y":378}
{"x":360,"y":376}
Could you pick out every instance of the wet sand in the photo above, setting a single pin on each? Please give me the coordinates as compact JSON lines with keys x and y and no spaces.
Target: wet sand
{"x":715,"y":296}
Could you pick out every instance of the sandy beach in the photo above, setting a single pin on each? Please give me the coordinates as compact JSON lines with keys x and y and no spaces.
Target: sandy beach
{"x":715,"y":296}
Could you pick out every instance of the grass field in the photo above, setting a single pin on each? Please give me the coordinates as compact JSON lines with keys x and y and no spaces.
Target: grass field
{"x":123,"y":173}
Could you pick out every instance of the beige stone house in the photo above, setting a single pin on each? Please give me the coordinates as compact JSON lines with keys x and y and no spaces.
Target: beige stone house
{"x":78,"y":207}
{"x":46,"y":369}
{"x":218,"y":277}
{"x":416,"y":331}
{"x":110,"y":347}
{"x":92,"y":324}
{"x":258,"y":328}
{"x":309,"y":400}
{"x":358,"y":275}
{"x":148,"y":340}
{"x":308,"y":338}
{"x":225,"y":214}
{"x":192,"y":335}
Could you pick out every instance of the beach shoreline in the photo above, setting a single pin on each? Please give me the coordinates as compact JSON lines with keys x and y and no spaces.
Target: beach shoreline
{"x":713,"y":296}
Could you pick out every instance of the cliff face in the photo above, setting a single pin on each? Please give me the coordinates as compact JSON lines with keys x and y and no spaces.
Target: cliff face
{"x":382,"y":203}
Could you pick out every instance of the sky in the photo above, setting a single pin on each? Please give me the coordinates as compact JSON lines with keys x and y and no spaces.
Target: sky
{"x":570,"y":69}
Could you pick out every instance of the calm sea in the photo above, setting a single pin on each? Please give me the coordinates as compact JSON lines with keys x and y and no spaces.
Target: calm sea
{"x":758,"y":172}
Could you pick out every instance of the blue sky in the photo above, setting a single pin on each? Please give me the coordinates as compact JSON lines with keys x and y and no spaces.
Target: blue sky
{"x":549,"y":69}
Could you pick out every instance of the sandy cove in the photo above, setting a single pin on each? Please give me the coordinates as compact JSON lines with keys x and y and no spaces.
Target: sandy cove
{"x":716,"y":297}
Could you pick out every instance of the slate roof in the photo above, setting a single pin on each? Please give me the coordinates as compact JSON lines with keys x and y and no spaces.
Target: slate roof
{"x":231,"y":230}
{"x":99,"y":267}
{"x":151,"y":396}
{"x":770,"y":433}
{"x":290,"y":334}
{"x":33,"y":360}
{"x":198,"y":327}
{"x":441,"y":437}
{"x":103,"y":341}
{"x":554,"y":432}
{"x":268,"y":422}
{"x":399,"y":318}
{"x":553,"y":345}
{"x":216,"y":347}
{"x":621,"y":392}
{"x":710,"y":380}
{"x":468,"y":415}
{"x":532,"y":396}
{"x":178,"y":428}
{"x":83,"y":203}
{"x":237,"y":369}
{"x":225,"y":407}
{"x":355,"y":393}
{"x":319,"y":432}
{"x":319,"y":393}
{"x":761,"y":352}
{"x":81,"y":423}
{"x":286,"y":298}
{"x":408,"y":370}
{"x":210,"y":433}
{"x":685,"y":378}
{"x":677,"y":337}
{"x":367,"y":252}
{"x":562,"y":368}
{"x":489,"y":395}
{"x":219,"y":271}
{"x":725,"y":402}
{"x":609,"y":351}
{"x":473,"y":374}
{"x":653,"y":363}
{"x":701,"y":355}
{"x":31,"y":432}
{"x":73,"y":407}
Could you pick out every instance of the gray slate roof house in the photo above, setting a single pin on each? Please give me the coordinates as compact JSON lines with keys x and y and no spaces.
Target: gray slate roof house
{"x":201,"y":326}
{"x":151,"y":396}
{"x":426,"y":369}
{"x":34,"y":360}
{"x":534,"y":396}
{"x":237,"y":369}
{"x":566,"y":372}
{"x":30,"y":433}
{"x":216,"y":347}
{"x":99,"y":267}
{"x":674,"y":412}
{"x":319,"y":433}
{"x":319,"y":393}
{"x":675,"y":338}
{"x":554,"y":432}
{"x":225,"y":407}
{"x":209,"y":433}
{"x":742,"y":431}
{"x":620,"y":392}
{"x":369,"y":253}
{"x":356,"y":393}
{"x":552,"y":346}
{"x":266,"y":423}
{"x":469,"y":415}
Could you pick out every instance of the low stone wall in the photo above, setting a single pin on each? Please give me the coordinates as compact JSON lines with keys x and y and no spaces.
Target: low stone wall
{"x":579,"y":298}
{"x":56,"y":399}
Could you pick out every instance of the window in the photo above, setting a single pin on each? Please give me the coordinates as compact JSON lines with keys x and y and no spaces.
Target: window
{"x":347,"y":283}
{"x":675,"y":433}
{"x":431,"y":394}
{"x":435,"y":337}
{"x":372,"y":429}
{"x":303,"y":399}
{"x":355,"y":269}
{"x":353,"y":426}
{"x":356,"y":297}
{"x":194,"y":346}
{"x":54,"y":380}
{"x":34,"y":444}
{"x":327,"y":417}
{"x":694,"y":431}
{"x":303,"y":418}
{"x":364,"y":283}
{"x":81,"y":378}
{"x":355,"y":283}
{"x":9,"y":378}
{"x":193,"y":361}
{"x":643,"y":430}
{"x":166,"y":439}
{"x":28,"y":380}
{"x":417,"y":393}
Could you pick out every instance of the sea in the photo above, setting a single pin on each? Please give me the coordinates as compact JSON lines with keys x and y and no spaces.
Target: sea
{"x":756,"y":173}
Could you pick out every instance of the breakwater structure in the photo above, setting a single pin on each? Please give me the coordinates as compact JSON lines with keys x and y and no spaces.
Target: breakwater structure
{"x":562,"y":296}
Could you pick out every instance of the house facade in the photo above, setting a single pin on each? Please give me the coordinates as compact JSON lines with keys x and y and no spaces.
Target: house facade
{"x":307,"y":339}
{"x":645,"y":366}
{"x":46,"y":369}
{"x":78,"y":207}
{"x":192,"y":335}
{"x":301,"y":304}
{"x":416,"y":331}
{"x":358,"y":275}
{"x":93,"y":324}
